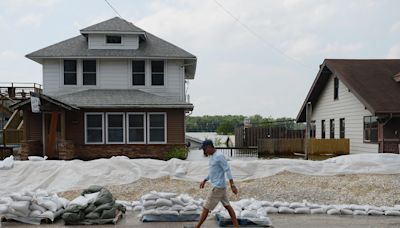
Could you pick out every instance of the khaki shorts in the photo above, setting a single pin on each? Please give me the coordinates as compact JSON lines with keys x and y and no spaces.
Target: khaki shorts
{"x":215,"y":196}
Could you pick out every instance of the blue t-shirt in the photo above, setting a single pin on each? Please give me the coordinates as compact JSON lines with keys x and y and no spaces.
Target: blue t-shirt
{"x":217,"y":167}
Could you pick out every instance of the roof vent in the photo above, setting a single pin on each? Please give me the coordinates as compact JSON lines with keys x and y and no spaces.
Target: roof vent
{"x":397,"y":77}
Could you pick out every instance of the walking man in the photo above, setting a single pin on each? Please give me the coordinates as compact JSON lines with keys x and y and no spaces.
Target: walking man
{"x":217,"y":168}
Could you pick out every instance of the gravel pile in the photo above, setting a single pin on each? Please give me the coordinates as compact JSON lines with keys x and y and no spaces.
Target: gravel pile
{"x":378,"y":190}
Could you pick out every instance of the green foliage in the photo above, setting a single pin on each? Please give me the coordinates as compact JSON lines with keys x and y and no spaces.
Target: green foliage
{"x":217,"y":141}
{"x":177,"y":152}
{"x":226,"y":124}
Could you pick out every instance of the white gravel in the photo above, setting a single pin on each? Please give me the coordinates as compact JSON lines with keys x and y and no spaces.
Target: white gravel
{"x":378,"y":190}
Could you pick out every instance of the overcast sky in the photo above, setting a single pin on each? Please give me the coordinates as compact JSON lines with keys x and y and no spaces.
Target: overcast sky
{"x":260,"y":59}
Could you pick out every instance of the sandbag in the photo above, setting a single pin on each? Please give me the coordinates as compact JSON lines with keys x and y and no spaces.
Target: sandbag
{"x":103,"y":207}
{"x":271,"y":210}
{"x":249,"y":214}
{"x":90,"y":208}
{"x":93,"y":215}
{"x":285,"y":210}
{"x":48,"y":204}
{"x":177,"y":201}
{"x":392,"y":213}
{"x":104,"y":197}
{"x":91,"y":196}
{"x":73,"y":218}
{"x":344,"y":211}
{"x":20,"y":197}
{"x":359,"y":212}
{"x":297,"y":205}
{"x":315,"y":211}
{"x":79,"y":201}
{"x":3,"y":208}
{"x":163,"y":202}
{"x":375,"y":212}
{"x":34,"y":206}
{"x":149,"y":203}
{"x":35,"y":213}
{"x":92,"y":189}
{"x":21,"y":207}
{"x":302,"y":210}
{"x":333,"y":211}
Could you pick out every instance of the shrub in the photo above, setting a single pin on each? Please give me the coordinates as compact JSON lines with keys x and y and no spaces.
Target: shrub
{"x":177,"y":152}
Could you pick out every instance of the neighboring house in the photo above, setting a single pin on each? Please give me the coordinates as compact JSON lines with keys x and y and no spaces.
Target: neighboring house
{"x":113,"y":90}
{"x":358,"y":100}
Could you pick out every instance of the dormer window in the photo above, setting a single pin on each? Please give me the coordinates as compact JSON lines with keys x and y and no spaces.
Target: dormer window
{"x":113,"y":39}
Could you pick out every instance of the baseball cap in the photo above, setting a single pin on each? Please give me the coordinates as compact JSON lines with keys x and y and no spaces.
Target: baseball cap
{"x":206,"y":143}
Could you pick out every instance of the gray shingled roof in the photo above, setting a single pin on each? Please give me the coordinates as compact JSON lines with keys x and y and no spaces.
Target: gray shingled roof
{"x":128,"y":98}
{"x":370,"y":80}
{"x":115,"y":24}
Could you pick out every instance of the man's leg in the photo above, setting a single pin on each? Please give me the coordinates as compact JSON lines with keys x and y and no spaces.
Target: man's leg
{"x":232,"y":214}
{"x":203,"y":217}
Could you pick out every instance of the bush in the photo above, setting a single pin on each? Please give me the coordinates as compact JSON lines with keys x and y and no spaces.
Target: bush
{"x":175,"y":152}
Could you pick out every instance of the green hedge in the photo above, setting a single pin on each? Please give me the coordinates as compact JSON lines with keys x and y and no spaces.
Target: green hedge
{"x":177,"y":152}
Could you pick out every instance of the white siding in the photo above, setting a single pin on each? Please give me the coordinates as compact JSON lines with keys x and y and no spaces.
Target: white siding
{"x":115,"y":74}
{"x":348,"y":107}
{"x":51,"y":76}
{"x":98,"y":41}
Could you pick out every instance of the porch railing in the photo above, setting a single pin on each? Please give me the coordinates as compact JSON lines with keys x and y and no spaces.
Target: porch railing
{"x":239,"y":151}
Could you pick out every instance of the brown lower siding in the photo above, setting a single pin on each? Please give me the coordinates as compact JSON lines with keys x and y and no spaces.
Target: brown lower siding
{"x":156,"y":151}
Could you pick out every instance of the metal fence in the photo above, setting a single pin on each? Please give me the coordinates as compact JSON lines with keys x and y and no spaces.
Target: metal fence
{"x":239,"y":151}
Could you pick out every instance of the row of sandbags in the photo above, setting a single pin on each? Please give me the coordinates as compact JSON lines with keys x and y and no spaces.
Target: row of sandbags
{"x":169,"y":204}
{"x":32,"y":206}
{"x":256,"y":207}
{"x":96,"y":205}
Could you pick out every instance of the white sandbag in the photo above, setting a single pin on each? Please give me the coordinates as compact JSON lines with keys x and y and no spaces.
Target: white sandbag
{"x":149,"y":203}
{"x":41,"y":193}
{"x":20,"y":197}
{"x":297,"y":205}
{"x":48,"y":215}
{"x":271,"y":210}
{"x":178,"y":201}
{"x":37,"y":158}
{"x":392,"y":213}
{"x":358,"y":207}
{"x":35,"y":213}
{"x":150,"y":212}
{"x":266,"y":203}
{"x":285,"y":210}
{"x":254,"y":205}
{"x":35,"y":206}
{"x":375,"y":212}
{"x":150,"y":196}
{"x":149,"y":207}
{"x":313,"y":205}
{"x":185,"y":198}
{"x":176,"y":207}
{"x":345,"y":211}
{"x":3,"y":209}
{"x":64,"y":201}
{"x":375,"y":208}
{"x":190,"y":207}
{"x":21,"y":206}
{"x":54,"y":198}
{"x":262,"y":212}
{"x":7,"y":163}
{"x":244,"y":203}
{"x":316,"y":211}
{"x":138,"y":208}
{"x":6,"y":200}
{"x":333,"y":211}
{"x":249,"y":214}
{"x":359,"y":212}
{"x":163,"y":202}
{"x":91,"y":197}
{"x":278,"y":204}
{"x":80,"y":201}
{"x":195,"y":212}
{"x":163,"y":208}
{"x":48,"y":204}
{"x":302,"y":210}
{"x":167,"y":212}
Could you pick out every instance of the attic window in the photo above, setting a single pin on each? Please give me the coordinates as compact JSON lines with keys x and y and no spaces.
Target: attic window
{"x":336,"y":89}
{"x":113,"y":39}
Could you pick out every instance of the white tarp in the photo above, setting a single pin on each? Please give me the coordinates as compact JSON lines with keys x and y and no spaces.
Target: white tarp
{"x":59,"y":176}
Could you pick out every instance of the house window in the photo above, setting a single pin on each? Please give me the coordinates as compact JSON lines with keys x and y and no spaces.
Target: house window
{"x":322,"y":129}
{"x":332,"y":128}
{"x":69,"y":72}
{"x":138,"y":72}
{"x":157,"y":73}
{"x":136,"y":127}
{"x":312,"y":129}
{"x":342,"y":127}
{"x":89,"y":72}
{"x":371,"y":129}
{"x":113,"y":39}
{"x":336,"y":89}
{"x":94,"y":128}
{"x":157,"y":128}
{"x":115,"y":128}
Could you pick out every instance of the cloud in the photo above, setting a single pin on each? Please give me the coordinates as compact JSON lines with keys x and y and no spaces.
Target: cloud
{"x":395,"y":27}
{"x":394,"y":52}
{"x":30,"y":20}
{"x":9,"y":55}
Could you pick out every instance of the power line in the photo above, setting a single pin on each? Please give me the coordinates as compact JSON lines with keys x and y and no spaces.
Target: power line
{"x":259,"y":36}
{"x":113,"y":9}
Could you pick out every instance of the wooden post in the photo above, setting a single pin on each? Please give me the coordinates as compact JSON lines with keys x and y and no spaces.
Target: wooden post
{"x":52,"y":135}
{"x":308,"y":128}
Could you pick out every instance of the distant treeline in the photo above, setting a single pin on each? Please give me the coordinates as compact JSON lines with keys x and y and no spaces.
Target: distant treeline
{"x":227,"y":124}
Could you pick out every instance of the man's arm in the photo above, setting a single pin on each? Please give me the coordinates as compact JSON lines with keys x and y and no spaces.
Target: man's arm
{"x":204,"y":181}
{"x":227,"y":170}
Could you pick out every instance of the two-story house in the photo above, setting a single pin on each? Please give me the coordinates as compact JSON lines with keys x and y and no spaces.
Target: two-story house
{"x":115,"y":89}
{"x":359,"y":100}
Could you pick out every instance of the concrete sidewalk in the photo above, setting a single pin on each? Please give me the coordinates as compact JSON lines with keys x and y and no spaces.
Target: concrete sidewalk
{"x":278,"y":220}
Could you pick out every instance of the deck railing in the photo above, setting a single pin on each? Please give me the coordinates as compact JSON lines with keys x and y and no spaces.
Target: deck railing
{"x":239,"y":151}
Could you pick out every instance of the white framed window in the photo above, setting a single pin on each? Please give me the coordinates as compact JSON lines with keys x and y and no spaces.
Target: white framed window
{"x":136,"y":127}
{"x":89,"y":70}
{"x":70,"y":72}
{"x":115,"y":127}
{"x":156,"y":127}
{"x":94,"y":128}
{"x":138,"y":73}
{"x":157,"y":73}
